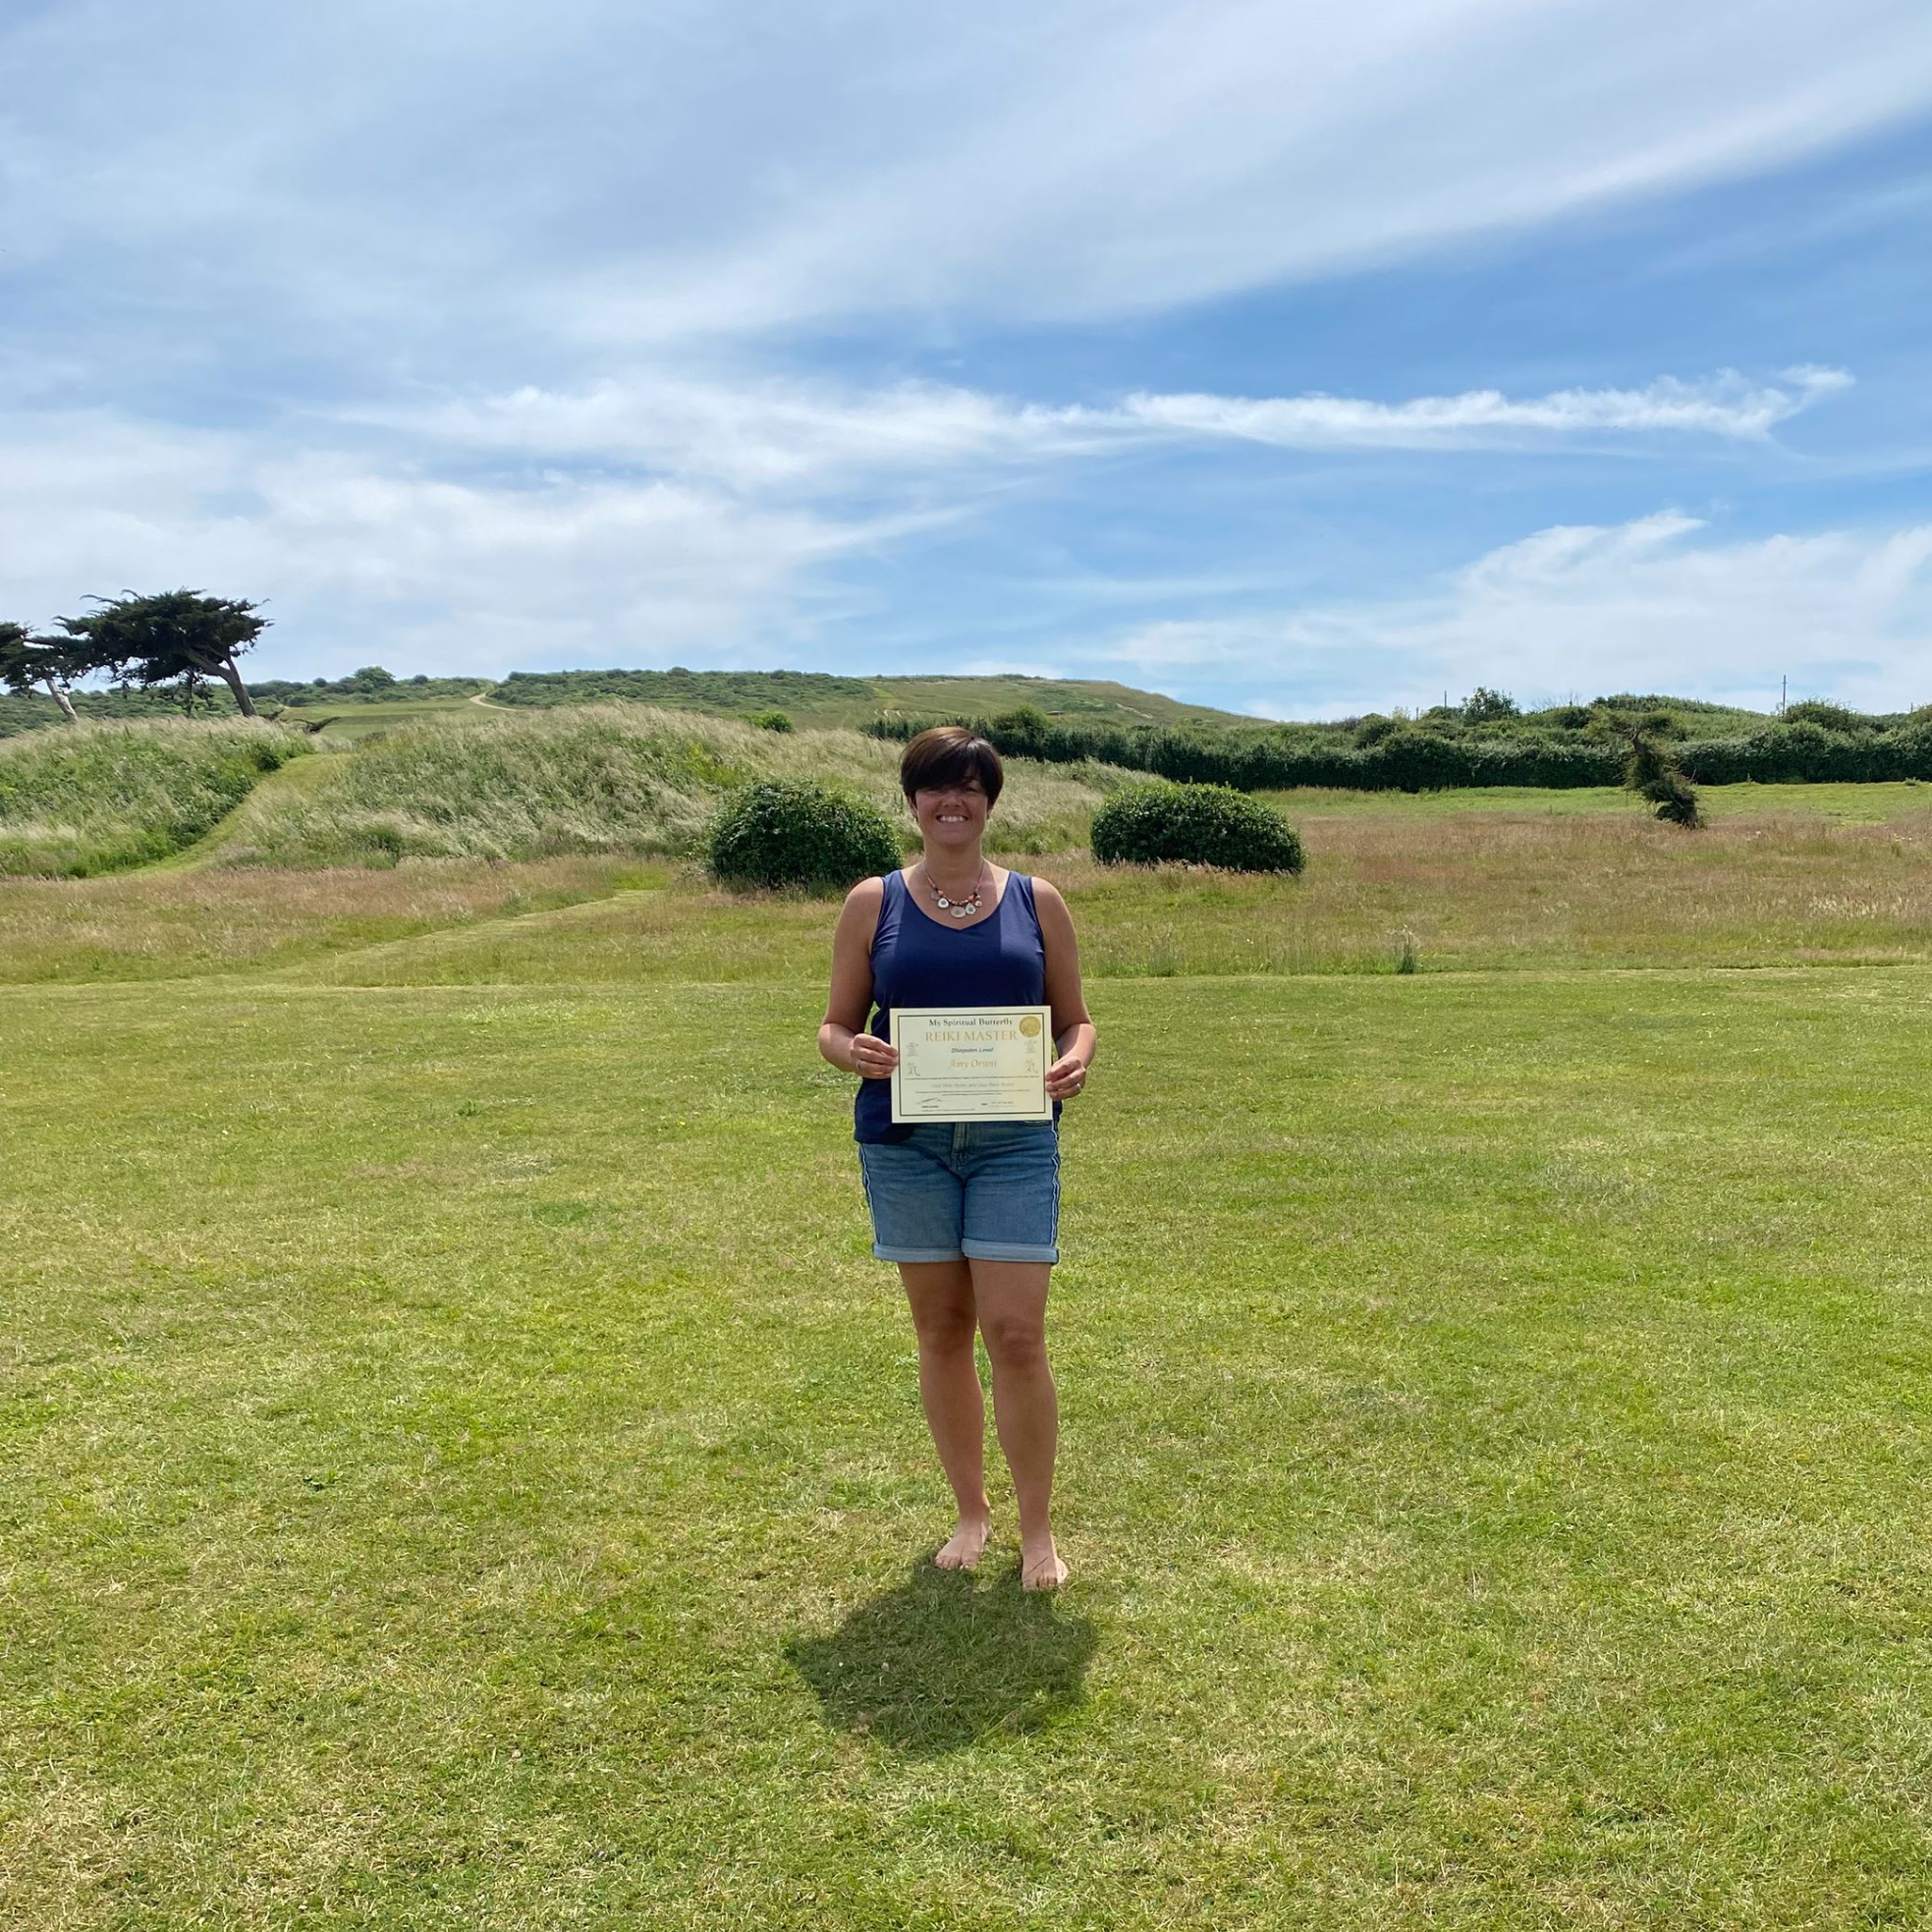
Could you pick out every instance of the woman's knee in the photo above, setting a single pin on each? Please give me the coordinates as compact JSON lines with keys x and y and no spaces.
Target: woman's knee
{"x":943,"y":1328}
{"x":1015,"y":1340}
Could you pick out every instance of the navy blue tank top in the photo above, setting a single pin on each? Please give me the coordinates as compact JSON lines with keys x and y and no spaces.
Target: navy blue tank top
{"x":918,"y":961}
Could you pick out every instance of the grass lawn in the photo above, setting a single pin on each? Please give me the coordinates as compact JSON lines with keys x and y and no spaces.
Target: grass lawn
{"x":465,"y":1470}
{"x":174,"y":920}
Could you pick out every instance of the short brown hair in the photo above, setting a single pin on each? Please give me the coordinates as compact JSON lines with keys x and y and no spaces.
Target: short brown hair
{"x":950,"y":755}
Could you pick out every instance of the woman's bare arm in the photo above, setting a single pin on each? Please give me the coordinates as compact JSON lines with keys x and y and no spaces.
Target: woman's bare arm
{"x":852,"y":986}
{"x":1073,"y":1036}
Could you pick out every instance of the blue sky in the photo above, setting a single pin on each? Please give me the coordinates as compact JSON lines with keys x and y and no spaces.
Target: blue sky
{"x":1298,"y":359}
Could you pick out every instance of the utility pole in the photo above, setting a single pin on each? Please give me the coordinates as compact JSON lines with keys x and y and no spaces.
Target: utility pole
{"x":1783,"y":692}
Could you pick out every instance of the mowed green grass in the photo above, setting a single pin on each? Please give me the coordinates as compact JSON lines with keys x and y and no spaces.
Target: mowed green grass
{"x":464,"y":1470}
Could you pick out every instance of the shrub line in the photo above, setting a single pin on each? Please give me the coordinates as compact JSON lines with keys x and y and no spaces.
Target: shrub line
{"x":1409,"y":758}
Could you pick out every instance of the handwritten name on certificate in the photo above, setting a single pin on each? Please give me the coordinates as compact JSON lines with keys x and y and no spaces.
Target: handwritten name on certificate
{"x":978,"y":1064}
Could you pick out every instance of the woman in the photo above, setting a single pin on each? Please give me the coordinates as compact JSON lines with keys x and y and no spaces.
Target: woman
{"x":969,"y":1210}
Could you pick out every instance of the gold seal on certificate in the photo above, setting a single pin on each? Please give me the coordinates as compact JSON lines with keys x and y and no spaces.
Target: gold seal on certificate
{"x":971,"y":1064}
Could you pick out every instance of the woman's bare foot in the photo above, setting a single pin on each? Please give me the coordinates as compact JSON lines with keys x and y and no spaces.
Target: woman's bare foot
{"x":964,"y":1548}
{"x":1041,"y":1569}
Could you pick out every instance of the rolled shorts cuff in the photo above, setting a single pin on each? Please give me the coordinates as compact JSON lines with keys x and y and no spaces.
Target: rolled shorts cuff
{"x":976,"y":1251}
{"x":880,"y":1252}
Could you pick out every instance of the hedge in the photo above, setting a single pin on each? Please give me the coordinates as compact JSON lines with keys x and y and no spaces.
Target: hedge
{"x":1412,"y":759}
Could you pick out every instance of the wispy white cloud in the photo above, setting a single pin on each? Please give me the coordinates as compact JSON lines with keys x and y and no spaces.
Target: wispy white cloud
{"x":364,"y":560}
{"x":1653,"y":604}
{"x":1132,"y":157}
{"x":1726,"y":406}
{"x":594,"y":241}
{"x":690,"y":516}
{"x":615,"y":175}
{"x":754,"y":435}
{"x":767,"y":435}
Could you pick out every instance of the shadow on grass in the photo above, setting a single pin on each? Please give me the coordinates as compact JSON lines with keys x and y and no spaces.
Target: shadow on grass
{"x":947,"y":1658}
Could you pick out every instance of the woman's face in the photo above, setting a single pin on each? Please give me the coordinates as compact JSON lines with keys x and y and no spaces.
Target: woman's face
{"x":952,"y":817}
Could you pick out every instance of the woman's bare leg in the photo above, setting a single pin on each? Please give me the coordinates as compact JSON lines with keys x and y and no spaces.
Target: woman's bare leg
{"x":1011,"y":1297}
{"x":941,"y":1296}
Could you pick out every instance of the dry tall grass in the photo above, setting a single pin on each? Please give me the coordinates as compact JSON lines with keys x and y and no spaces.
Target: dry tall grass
{"x":1489,"y":893}
{"x":91,"y":798}
{"x":1498,"y":891}
{"x":594,"y":779}
{"x":1465,"y":893}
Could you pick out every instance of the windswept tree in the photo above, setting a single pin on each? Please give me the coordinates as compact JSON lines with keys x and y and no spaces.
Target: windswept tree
{"x":1654,"y":773}
{"x":173,"y":638}
{"x":29,"y":663}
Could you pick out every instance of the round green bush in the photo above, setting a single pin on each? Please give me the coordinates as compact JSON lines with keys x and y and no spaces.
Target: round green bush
{"x":788,"y":832}
{"x":1200,"y":824}
{"x":773,"y":721}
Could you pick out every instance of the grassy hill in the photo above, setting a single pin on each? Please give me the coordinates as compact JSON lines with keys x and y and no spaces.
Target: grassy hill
{"x":595,"y":779}
{"x":586,"y":780}
{"x":369,"y":701}
{"x":448,"y":779}
{"x":817,"y":699}
{"x":355,"y":706}
{"x":313,"y":698}
{"x":103,"y":797}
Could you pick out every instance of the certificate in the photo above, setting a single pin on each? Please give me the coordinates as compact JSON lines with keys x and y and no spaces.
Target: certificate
{"x":971,"y":1064}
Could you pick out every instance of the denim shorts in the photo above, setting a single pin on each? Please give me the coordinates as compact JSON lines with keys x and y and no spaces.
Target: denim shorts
{"x":987,"y":1189}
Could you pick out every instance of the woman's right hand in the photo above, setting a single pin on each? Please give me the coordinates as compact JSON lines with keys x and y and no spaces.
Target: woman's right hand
{"x":872,"y":1059}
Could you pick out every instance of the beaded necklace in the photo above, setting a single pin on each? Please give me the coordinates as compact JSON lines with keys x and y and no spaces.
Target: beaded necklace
{"x":964,"y":907}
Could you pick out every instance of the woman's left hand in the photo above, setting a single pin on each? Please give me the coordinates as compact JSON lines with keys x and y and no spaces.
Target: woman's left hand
{"x":1065,"y":1078}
